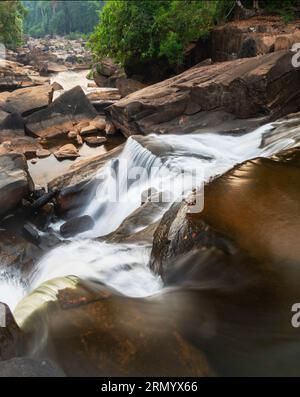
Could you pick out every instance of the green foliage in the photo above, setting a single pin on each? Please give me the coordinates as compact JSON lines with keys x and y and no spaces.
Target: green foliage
{"x":147,"y":29}
{"x":49,"y":17}
{"x":143,"y":30}
{"x":288,"y":9}
{"x":11,"y":23}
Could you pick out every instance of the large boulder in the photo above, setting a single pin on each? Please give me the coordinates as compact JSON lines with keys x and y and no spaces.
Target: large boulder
{"x":11,"y":126}
{"x":93,"y":331}
{"x":241,"y":256}
{"x":77,"y":184}
{"x":251,"y":209}
{"x":26,"y":100}
{"x":106,"y":73}
{"x":17,"y":252}
{"x":59,"y":118}
{"x":15,"y":181}
{"x":210,"y":96}
{"x":76,"y":226}
{"x":128,"y":86}
{"x":13,"y":138}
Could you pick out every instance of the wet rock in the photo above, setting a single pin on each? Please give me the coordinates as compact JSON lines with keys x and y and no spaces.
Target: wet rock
{"x":68,"y":151}
{"x":109,"y":334}
{"x":95,"y":140}
{"x":256,"y":190}
{"x":84,"y":170}
{"x":76,"y":226}
{"x":62,"y":115}
{"x":139,"y":226}
{"x":31,"y":233}
{"x":241,"y":89}
{"x":15,"y":182}
{"x":17,"y":252}
{"x":29,"y":368}
{"x":11,"y":337}
{"x":77,"y":184}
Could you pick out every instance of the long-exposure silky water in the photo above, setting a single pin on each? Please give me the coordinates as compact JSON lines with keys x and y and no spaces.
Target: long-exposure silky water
{"x":125,"y":266}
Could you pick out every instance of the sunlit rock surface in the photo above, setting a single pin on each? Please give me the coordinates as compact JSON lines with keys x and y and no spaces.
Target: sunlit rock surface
{"x":239,"y":89}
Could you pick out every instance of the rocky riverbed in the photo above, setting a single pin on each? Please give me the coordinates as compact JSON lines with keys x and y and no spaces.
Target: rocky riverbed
{"x":106,"y":268}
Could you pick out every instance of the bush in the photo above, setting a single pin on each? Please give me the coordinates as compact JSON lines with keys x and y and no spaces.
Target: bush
{"x":147,"y":29}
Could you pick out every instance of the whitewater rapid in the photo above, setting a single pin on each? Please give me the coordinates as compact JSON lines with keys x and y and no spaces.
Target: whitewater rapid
{"x":124,"y":266}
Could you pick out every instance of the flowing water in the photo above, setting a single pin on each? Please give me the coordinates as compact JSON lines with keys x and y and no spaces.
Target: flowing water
{"x":125,"y":267}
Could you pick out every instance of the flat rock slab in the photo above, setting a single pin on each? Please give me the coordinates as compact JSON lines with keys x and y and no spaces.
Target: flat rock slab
{"x":26,"y":100}
{"x":104,"y":94}
{"x":59,"y":118}
{"x":266,"y":85}
{"x":14,"y":181}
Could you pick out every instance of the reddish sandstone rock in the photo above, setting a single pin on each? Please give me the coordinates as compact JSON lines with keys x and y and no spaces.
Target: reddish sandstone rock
{"x":70,"y":109}
{"x":207,"y":96}
{"x":267,"y":34}
{"x":26,"y":100}
{"x":67,"y":152}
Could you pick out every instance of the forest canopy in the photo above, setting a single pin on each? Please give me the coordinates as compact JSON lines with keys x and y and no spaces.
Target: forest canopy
{"x":49,"y":17}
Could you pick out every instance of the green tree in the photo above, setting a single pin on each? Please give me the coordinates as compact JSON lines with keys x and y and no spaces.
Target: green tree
{"x":11,"y":23}
{"x":49,"y":17}
{"x":146,"y":29}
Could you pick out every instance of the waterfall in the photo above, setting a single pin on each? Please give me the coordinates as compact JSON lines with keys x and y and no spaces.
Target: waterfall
{"x":124,"y":267}
{"x":116,"y":195}
{"x":200,"y":156}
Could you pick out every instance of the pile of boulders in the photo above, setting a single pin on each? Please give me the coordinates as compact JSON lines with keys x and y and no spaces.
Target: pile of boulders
{"x":108,"y":74}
